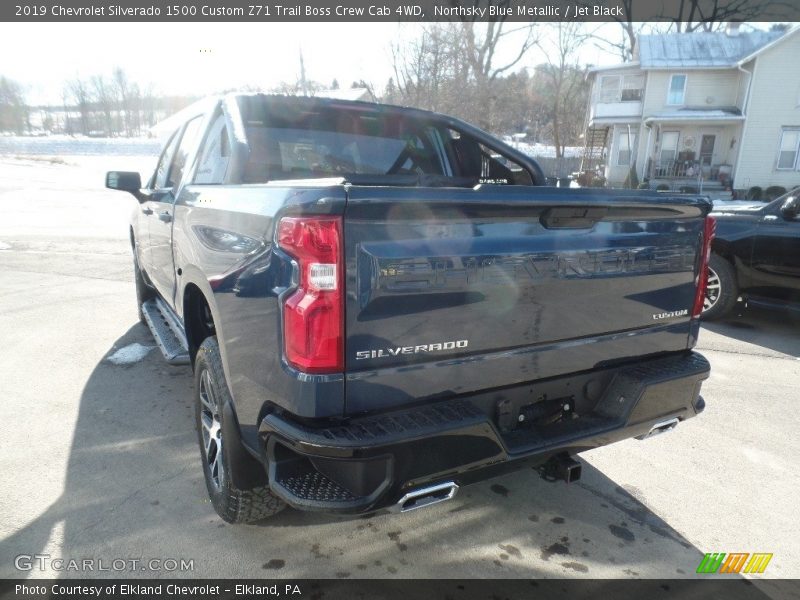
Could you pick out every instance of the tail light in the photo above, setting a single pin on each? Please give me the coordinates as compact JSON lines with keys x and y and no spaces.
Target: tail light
{"x":700,"y":293}
{"x":313,"y":314}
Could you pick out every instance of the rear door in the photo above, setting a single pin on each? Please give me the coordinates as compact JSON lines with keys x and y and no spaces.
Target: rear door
{"x":456,"y":290}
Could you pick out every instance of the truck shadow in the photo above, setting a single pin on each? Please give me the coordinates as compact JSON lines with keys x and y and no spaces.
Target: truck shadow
{"x":134,"y":490}
{"x":772,"y":329}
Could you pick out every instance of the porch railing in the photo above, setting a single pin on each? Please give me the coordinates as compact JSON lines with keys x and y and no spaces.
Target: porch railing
{"x":676,"y":169}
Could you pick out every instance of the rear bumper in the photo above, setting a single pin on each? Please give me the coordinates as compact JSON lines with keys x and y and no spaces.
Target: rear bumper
{"x":367,"y":463}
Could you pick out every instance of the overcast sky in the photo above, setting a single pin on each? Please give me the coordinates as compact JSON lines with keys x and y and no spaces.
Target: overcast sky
{"x":44,"y":55}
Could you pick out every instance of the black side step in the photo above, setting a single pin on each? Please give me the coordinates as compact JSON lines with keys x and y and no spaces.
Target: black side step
{"x":167,"y":331}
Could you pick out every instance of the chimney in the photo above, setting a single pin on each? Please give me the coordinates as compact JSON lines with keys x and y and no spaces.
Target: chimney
{"x":733,"y":29}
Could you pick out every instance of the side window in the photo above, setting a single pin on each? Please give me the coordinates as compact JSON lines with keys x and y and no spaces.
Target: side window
{"x":160,"y":177}
{"x":476,"y":161}
{"x":182,"y":153}
{"x":214,"y":155}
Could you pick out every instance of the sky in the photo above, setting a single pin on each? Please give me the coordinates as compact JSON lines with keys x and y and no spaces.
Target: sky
{"x":205,"y":58}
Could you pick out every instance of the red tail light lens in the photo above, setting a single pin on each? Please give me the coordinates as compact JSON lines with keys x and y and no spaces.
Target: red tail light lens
{"x":709,"y":229}
{"x":313,"y":314}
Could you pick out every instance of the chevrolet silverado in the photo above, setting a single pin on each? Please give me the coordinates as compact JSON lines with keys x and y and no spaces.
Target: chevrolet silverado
{"x":382,"y":304}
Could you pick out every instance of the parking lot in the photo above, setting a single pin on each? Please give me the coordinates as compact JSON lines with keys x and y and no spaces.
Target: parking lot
{"x":100,"y":460}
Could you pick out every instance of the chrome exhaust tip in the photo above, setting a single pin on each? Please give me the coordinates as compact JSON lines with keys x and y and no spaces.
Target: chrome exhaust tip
{"x":426,"y":496}
{"x":660,"y":427}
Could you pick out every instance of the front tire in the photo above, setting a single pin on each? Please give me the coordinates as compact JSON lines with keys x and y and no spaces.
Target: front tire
{"x":232,"y":504}
{"x":721,"y":289}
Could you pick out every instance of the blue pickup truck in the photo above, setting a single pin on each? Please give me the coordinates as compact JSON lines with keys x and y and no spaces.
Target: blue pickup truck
{"x":382,"y":304}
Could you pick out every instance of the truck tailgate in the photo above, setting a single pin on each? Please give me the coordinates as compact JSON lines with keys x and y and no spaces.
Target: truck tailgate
{"x":451,"y":291}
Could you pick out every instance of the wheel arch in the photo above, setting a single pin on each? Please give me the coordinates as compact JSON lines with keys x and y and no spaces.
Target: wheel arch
{"x":199,"y":318}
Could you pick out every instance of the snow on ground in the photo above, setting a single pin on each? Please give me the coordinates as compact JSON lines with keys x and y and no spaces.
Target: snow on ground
{"x":53,"y":145}
{"x":127,"y":355}
{"x":537,"y":150}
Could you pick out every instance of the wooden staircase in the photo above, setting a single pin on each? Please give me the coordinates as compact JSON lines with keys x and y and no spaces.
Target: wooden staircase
{"x":594,"y":145}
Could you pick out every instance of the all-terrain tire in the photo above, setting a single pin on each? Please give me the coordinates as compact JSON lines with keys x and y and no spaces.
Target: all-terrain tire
{"x":143,"y":291}
{"x":232,"y":504}
{"x":722,"y":291}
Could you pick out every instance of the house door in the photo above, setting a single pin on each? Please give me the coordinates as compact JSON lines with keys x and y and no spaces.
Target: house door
{"x":707,"y":149}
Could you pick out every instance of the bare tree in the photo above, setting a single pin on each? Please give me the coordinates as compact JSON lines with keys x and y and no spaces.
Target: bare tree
{"x":123,"y":93}
{"x":14,"y":110}
{"x":423,"y":66}
{"x":78,"y":92}
{"x":566,"y":83}
{"x":480,"y":47}
{"x":106,"y":101}
{"x":709,"y":15}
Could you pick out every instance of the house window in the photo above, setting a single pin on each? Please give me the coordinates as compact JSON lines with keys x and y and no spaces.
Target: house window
{"x":616,"y":88}
{"x":632,"y":88}
{"x":787,"y":155}
{"x":609,"y":88}
{"x":625,"y":144}
{"x":677,"y":89}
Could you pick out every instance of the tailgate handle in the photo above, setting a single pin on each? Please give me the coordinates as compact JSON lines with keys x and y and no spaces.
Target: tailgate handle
{"x":572,"y":217}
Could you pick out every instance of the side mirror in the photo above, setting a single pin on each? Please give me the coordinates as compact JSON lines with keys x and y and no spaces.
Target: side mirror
{"x":124,"y":181}
{"x":790,"y":208}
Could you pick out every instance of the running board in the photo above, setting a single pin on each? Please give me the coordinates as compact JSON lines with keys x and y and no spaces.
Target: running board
{"x":167,"y":331}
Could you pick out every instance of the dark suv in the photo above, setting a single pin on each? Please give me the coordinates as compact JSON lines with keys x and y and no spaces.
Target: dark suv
{"x":755,"y":256}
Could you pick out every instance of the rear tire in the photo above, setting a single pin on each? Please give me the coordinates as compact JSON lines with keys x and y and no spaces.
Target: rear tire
{"x":232,"y":504}
{"x":143,"y":291}
{"x":721,"y":289}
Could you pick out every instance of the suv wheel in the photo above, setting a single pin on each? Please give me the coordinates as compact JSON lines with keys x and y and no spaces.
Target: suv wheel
{"x":234,"y":505}
{"x":721,"y":289}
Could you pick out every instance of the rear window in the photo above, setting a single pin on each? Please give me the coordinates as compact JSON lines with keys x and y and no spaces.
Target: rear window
{"x":337,"y":143}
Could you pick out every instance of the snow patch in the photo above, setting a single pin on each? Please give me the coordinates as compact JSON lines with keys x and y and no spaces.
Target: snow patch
{"x":537,"y":150}
{"x":129,"y":354}
{"x":4,"y":246}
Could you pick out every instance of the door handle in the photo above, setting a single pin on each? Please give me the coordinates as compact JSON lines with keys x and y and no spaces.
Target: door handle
{"x":165,"y":216}
{"x":147,"y":211}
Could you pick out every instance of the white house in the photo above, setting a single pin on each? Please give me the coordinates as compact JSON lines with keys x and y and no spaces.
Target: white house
{"x":700,"y":110}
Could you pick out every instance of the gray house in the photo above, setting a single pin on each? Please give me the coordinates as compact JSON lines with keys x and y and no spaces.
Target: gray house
{"x":705,"y":110}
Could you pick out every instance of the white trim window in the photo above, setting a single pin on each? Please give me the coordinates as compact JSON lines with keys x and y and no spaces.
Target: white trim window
{"x":626,"y":141}
{"x":632,"y":88}
{"x":609,"y":88}
{"x":789,"y":149}
{"x":676,"y":93}
{"x":621,"y":88}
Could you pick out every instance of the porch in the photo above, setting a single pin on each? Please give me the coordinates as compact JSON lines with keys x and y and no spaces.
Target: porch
{"x":692,"y":150}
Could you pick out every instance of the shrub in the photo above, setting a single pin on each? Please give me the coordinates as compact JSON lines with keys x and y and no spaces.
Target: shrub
{"x":662,"y":187}
{"x":754,"y":193}
{"x":688,"y":189}
{"x":773,"y":192}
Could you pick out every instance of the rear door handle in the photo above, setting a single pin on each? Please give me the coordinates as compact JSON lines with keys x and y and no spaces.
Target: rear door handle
{"x":165,"y":216}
